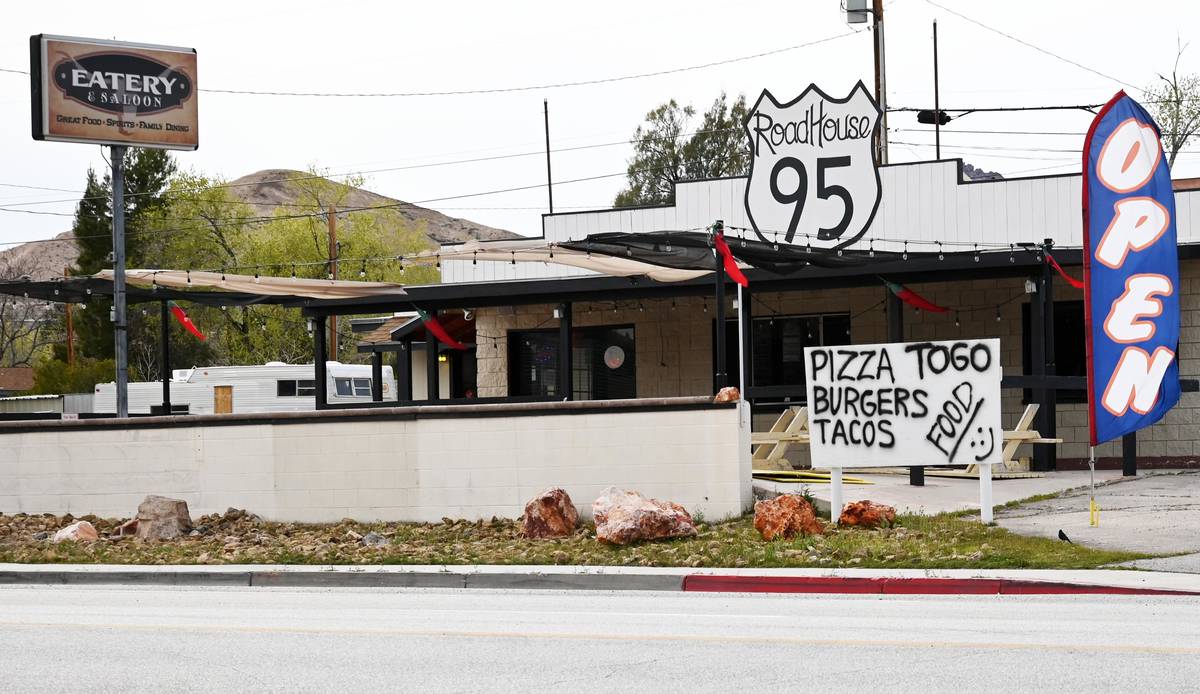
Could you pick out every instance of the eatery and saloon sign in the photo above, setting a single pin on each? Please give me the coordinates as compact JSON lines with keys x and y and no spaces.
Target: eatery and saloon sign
{"x":108,"y":92}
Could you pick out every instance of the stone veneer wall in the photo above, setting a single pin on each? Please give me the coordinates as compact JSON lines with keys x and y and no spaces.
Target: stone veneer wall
{"x":674,"y":345}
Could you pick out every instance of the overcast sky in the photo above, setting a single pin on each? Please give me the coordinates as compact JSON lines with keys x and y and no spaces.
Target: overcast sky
{"x":402,"y":47}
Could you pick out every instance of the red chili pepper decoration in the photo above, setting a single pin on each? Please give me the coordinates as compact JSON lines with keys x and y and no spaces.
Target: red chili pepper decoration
{"x":185,"y":321}
{"x":731,"y":266}
{"x":1078,"y":284}
{"x":435,"y":327}
{"x":914,"y":299}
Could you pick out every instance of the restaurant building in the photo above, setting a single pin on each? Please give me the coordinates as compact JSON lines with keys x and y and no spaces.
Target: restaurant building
{"x":985,"y":250}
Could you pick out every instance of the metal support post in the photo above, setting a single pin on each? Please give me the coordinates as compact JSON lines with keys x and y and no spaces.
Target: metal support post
{"x":565,"y":365}
{"x":120,"y":317}
{"x":1129,"y":455}
{"x":1049,"y":425}
{"x":720,"y":378}
{"x":404,"y":374}
{"x":433,"y":387}
{"x":319,"y":358}
{"x":895,"y":328}
{"x":376,"y":376}
{"x":165,"y":338}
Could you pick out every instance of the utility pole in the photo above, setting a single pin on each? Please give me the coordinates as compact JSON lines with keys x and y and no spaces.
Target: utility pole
{"x":331,"y":219}
{"x":70,"y":327}
{"x":549,"y":183}
{"x":880,"y":80}
{"x":937,"y":107}
{"x":120,"y":325}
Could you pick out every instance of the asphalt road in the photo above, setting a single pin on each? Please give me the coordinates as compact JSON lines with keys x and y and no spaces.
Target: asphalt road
{"x":264,"y":640}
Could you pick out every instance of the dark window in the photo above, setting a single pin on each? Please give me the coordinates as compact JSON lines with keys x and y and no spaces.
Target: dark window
{"x":290,"y":388}
{"x":603,"y":363}
{"x":778,"y":349}
{"x":1070,"y":350}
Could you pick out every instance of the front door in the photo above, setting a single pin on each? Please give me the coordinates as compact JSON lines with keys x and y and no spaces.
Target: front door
{"x":222,"y":399}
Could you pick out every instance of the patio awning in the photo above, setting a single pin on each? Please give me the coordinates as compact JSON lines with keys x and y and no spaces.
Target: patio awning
{"x":209,"y":288}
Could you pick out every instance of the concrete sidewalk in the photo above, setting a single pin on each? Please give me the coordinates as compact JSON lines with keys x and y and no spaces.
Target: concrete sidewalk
{"x":1154,"y":514}
{"x":944,"y":494}
{"x":826,"y":580}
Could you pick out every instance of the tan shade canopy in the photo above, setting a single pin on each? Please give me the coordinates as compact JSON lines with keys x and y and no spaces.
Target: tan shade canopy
{"x":263,"y":286}
{"x":522,"y":252}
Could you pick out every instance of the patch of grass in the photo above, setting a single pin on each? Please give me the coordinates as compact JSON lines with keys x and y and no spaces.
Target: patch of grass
{"x":943,"y":541}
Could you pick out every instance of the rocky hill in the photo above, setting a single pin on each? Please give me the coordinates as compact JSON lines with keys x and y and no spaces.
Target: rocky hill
{"x":264,"y":191}
{"x":267,"y":190}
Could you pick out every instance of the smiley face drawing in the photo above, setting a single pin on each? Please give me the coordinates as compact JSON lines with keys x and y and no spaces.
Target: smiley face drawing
{"x":981,"y":442}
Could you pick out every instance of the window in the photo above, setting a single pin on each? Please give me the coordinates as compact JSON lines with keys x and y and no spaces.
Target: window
{"x":778,"y":347}
{"x":291,"y":388}
{"x":1070,"y":350}
{"x":352,"y":387}
{"x":603,"y":363}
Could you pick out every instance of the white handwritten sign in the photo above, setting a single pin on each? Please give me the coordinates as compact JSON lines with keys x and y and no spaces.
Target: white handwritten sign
{"x":904,"y":404}
{"x":813,"y":176}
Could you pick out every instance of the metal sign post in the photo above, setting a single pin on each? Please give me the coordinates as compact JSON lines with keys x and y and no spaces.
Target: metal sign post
{"x":120,"y":323}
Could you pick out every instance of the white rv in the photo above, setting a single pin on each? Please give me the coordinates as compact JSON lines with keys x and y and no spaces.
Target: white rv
{"x":272,"y":387}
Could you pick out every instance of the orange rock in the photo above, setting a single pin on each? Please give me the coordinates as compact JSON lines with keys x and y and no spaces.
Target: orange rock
{"x":867,"y":514}
{"x":623,"y":517}
{"x":549,"y":514}
{"x":786,"y":516}
{"x":728,"y":394}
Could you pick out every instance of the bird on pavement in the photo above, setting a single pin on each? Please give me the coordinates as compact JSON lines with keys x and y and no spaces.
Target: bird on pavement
{"x":1063,"y":536}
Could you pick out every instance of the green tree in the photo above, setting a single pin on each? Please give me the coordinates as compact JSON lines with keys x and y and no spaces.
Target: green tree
{"x":1174,"y":101}
{"x":147,"y":172}
{"x":666,"y":153}
{"x":220,"y":232}
{"x":53,"y":376}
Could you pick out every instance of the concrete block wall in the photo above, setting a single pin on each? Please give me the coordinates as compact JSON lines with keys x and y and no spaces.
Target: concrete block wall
{"x":380,"y":468}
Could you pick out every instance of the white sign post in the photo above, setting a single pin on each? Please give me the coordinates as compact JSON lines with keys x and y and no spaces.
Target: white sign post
{"x":905,"y":404}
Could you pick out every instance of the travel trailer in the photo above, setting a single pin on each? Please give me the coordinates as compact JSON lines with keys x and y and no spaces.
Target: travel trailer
{"x":272,"y":387}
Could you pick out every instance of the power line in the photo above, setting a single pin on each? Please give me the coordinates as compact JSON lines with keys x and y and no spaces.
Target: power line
{"x":363,"y":208}
{"x":525,"y":88}
{"x":1027,"y":44}
{"x":303,"y":177}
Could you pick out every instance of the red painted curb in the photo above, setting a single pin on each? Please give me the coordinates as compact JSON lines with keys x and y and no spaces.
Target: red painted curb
{"x":904,"y":586}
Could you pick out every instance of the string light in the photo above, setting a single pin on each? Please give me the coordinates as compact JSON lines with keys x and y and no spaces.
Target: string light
{"x":997,"y":314}
{"x":871,"y":249}
{"x":437,"y":261}
{"x":362,"y":272}
{"x":1011,"y":251}
{"x":941,"y":256}
{"x":956,"y":323}
{"x":977,"y":253}
{"x":475,"y":258}
{"x":904,"y":256}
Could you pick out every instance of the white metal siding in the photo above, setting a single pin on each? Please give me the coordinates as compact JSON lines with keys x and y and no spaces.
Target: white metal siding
{"x":920,"y":202}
